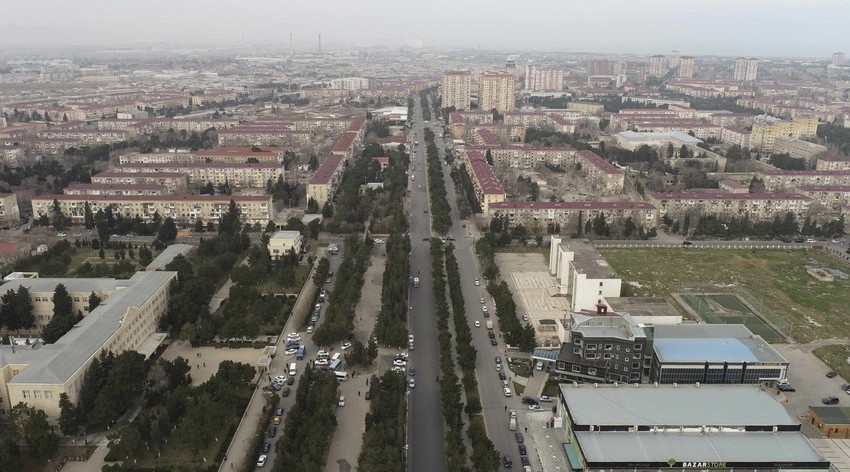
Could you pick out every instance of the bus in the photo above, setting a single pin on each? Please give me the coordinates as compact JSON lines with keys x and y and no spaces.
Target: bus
{"x":301,"y":352}
{"x":335,"y":365}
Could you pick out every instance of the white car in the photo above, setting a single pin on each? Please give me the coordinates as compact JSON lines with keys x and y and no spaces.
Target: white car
{"x":513,"y":413}
{"x":498,"y":367}
{"x":411,"y":383}
{"x":477,"y":282}
{"x":346,"y":346}
{"x":507,"y":391}
{"x":482,"y":300}
{"x":379,"y":241}
{"x":322,"y":361}
{"x":261,"y":462}
{"x":410,"y":337}
{"x":535,"y":407}
{"x":310,"y":329}
{"x":341,"y":400}
{"x":544,"y":398}
{"x":398,"y":369}
{"x":291,"y":351}
{"x":323,"y":353}
{"x":399,"y":363}
{"x":484,"y":308}
{"x":477,"y":324}
{"x":280,"y":378}
{"x":293,"y":337}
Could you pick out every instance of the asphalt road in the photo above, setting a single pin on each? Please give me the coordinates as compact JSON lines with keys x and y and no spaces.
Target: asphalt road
{"x":426,"y":448}
{"x":493,"y":401}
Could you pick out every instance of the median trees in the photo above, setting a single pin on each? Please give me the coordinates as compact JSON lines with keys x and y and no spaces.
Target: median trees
{"x":339,"y":316}
{"x":391,"y":327}
{"x":385,"y":436}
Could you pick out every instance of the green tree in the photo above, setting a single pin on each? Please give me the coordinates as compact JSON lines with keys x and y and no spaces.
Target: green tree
{"x":94,"y":301}
{"x":89,"y":217}
{"x":167,"y":231}
{"x":32,"y":425}
{"x":63,"y":318}
{"x":67,"y":415}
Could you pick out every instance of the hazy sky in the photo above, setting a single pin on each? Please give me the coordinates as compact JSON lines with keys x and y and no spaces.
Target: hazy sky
{"x":726,"y":27}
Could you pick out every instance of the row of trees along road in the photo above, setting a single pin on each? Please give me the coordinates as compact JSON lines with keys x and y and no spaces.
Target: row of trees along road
{"x":441,"y":219}
{"x":385,"y":436}
{"x":391,"y":327}
{"x":339,"y":316}
{"x":450,"y":389}
{"x":484,"y":455}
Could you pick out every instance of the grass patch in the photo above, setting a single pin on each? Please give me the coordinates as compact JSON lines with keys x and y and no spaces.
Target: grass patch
{"x":551,"y":389}
{"x":835,"y":357}
{"x":809,"y":308}
{"x":518,"y":388}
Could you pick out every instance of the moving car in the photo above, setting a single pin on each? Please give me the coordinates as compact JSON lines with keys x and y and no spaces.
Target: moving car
{"x":411,"y":383}
{"x":341,"y":401}
{"x":477,"y":324}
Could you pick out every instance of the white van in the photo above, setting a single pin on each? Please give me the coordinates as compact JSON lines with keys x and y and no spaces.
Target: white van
{"x":293,"y":369}
{"x":336,"y":356}
{"x":341,"y":376}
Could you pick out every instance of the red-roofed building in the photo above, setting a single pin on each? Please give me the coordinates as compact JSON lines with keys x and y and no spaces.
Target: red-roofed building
{"x":115,"y":189}
{"x":488,"y":189}
{"x":605,"y":178}
{"x":756,"y":206}
{"x":565,"y":216}
{"x":239,"y":154}
{"x":832,"y":197}
{"x":324,"y":182}
{"x":174,"y":182}
{"x":776,"y":180}
{"x":345,"y":145}
{"x":833,"y":163}
{"x":218,"y":173}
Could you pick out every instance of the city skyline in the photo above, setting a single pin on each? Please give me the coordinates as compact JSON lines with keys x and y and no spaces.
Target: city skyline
{"x":721,"y":27}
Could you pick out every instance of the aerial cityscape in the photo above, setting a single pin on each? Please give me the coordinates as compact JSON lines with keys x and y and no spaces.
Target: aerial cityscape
{"x":385,"y":238}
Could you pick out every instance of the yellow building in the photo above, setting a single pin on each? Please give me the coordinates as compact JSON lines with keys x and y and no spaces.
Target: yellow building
{"x":9,"y":211}
{"x":38,"y":374}
{"x":767,"y":129}
{"x":488,"y":189}
{"x":182,"y":208}
{"x":498,"y":90}
{"x":456,"y":89}
{"x":283,"y":242}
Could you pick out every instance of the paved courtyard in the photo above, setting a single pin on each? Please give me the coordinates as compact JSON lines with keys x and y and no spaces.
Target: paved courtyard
{"x":528,"y":276}
{"x":204,"y":361}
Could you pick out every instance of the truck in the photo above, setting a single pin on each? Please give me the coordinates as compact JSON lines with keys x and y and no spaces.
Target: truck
{"x":416,"y":281}
{"x":489,"y":324}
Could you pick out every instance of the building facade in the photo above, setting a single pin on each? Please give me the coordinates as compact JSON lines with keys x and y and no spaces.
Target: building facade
{"x":745,"y":69}
{"x":456,"y":90}
{"x":686,"y":67}
{"x":9,"y":211}
{"x":498,"y":91}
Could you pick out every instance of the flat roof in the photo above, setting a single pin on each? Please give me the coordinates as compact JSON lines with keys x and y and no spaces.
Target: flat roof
{"x":642,"y":306}
{"x":832,"y":414}
{"x":725,"y":447}
{"x":688,"y":350}
{"x":669,"y":406}
{"x":286,"y":235}
{"x":587,"y":260}
{"x":168,"y":254}
{"x":713,"y":340}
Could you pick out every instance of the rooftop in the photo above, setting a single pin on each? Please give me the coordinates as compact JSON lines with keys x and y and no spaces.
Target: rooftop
{"x":642,"y":306}
{"x":832,"y":414}
{"x":587,"y":260}
{"x":713,"y":343}
{"x":621,"y":205}
{"x":606,"y":325}
{"x":326,"y":169}
{"x":280,"y":235}
{"x":160,"y":198}
{"x":668,"y":406}
{"x":168,"y":254}
{"x":715,"y":195}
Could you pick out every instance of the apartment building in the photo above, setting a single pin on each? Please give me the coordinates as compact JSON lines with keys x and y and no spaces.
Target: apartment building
{"x":543,"y":80}
{"x":9,"y":211}
{"x":605,"y":178}
{"x":798,"y":148}
{"x":253,"y":175}
{"x":745,"y":69}
{"x":686,"y":67}
{"x":568,"y":215}
{"x":248,"y":135}
{"x":837,"y":58}
{"x":155,"y":158}
{"x":592,"y":108}
{"x":755,"y":206}
{"x":833,"y":163}
{"x":189,"y":125}
{"x":498,"y":91}
{"x":735,"y":135}
{"x":11,"y":155}
{"x":127,"y":320}
{"x":174,"y":182}
{"x":830,"y":197}
{"x":52,"y":146}
{"x":184,"y":209}
{"x":352,"y":84}
{"x":456,"y":90}
{"x":776,"y":180}
{"x":324,"y":183}
{"x":766,"y":130}
{"x":600,"y":67}
{"x":87,"y":137}
{"x":115,"y":189}
{"x":582,"y":274}
{"x":657,"y":65}
{"x":239,"y":155}
{"x":528,"y":157}
{"x":488,"y":189}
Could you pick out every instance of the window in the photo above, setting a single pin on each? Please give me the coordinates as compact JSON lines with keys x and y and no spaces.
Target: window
{"x":577,"y":341}
{"x":638,"y":347}
{"x":576,"y":350}
{"x":25,"y":393}
{"x":608,"y":356}
{"x":635,"y":365}
{"x":628,"y":350}
{"x":600,"y":293}
{"x":48,"y":395}
{"x":591,"y":371}
{"x":591,"y":347}
{"x":576,"y":368}
{"x":608,"y":347}
{"x":600,"y":284}
{"x":36,"y":394}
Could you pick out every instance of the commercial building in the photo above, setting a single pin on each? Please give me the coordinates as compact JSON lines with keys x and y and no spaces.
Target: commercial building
{"x":746,"y":69}
{"x":713,"y":354}
{"x":456,"y":90}
{"x":632,"y":140}
{"x":831,"y":421}
{"x":686,"y":67}
{"x":284,"y":242}
{"x":582,"y":274}
{"x":706,"y":427}
{"x":9,"y":211}
{"x":603,"y":347}
{"x":498,"y":91}
{"x":182,"y":208}
{"x":126,"y":320}
{"x":798,"y":148}
{"x":756,"y":206}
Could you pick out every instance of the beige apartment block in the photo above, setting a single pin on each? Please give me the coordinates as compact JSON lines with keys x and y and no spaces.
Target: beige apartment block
{"x":456,"y":89}
{"x":498,"y":90}
{"x":9,"y":211}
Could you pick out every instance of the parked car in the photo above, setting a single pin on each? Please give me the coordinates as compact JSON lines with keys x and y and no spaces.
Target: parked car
{"x":523,"y":451}
{"x":507,"y":391}
{"x":285,"y":392}
{"x":830,"y":401}
{"x":506,"y":461}
{"x":267,"y":446}
{"x":493,"y":342}
{"x":832,"y":374}
{"x":341,"y":401}
{"x":276,"y":420}
{"x":477,"y":324}
{"x":272,"y":431}
{"x":529,"y":401}
{"x":519,"y":438}
{"x":411,"y":383}
{"x":544,"y":398}
{"x":261,"y":461}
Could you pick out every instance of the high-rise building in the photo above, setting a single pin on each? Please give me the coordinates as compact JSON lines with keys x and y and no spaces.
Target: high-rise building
{"x":746,"y":69}
{"x":686,"y":66}
{"x":539,"y":80}
{"x":600,"y":67}
{"x":498,"y":90}
{"x":673,"y":59}
{"x":456,"y":89}
{"x":837,"y":58}
{"x":657,"y":65}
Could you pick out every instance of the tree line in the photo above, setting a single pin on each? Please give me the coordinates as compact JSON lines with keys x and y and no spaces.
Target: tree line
{"x":310,"y":424}
{"x":384,"y":439}
{"x":785,"y":226}
{"x":391,"y":326}
{"x":484,"y":455}
{"x":441,"y":219}
{"x":339,"y":316}
{"x":450,"y":389}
